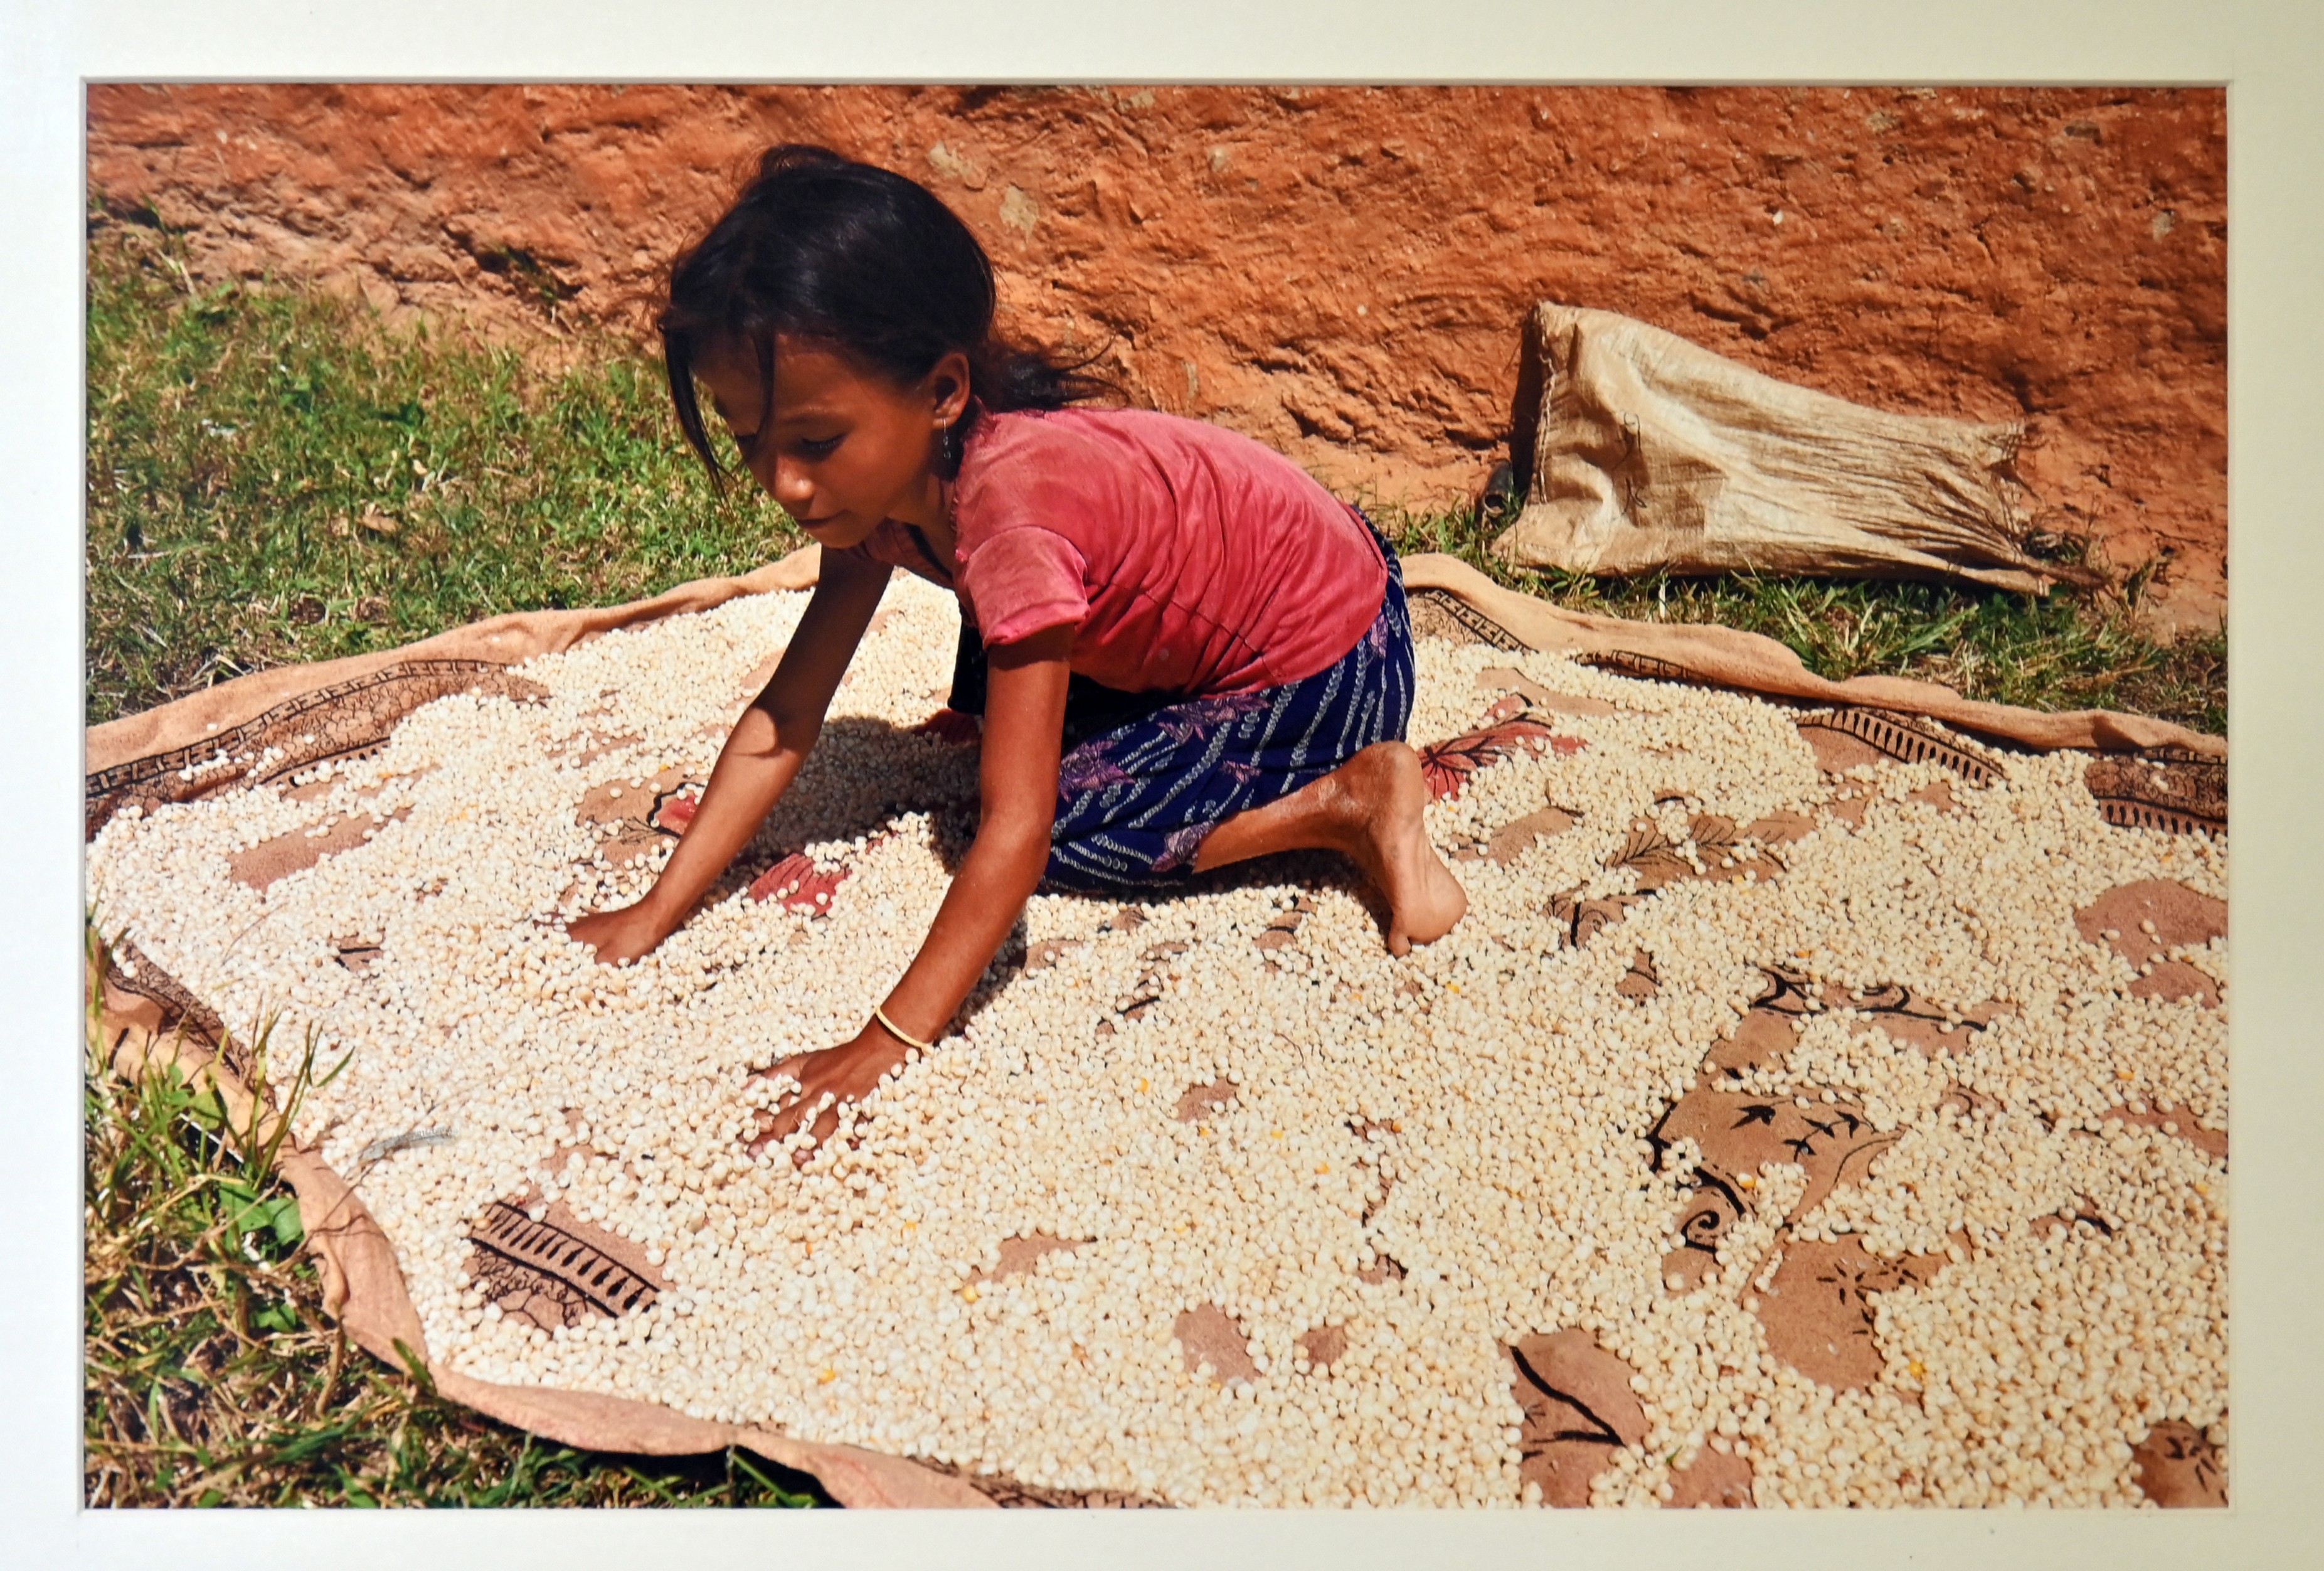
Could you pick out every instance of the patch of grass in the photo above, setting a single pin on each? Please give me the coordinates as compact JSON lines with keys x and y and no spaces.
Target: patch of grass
{"x":215,"y":1378}
{"x":2069,"y":650}
{"x":274,"y":476}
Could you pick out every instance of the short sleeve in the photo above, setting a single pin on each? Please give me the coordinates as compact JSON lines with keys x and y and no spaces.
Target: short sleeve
{"x":1025,"y":579}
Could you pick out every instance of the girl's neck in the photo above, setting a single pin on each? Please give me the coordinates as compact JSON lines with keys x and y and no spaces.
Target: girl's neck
{"x":938,"y":529}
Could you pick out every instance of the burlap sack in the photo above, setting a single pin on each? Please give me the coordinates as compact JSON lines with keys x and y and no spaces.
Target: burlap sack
{"x":269,"y":725}
{"x":1652,"y":452}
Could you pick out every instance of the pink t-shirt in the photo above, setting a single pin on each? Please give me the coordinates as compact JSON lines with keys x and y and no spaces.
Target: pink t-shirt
{"x":1188,"y":559}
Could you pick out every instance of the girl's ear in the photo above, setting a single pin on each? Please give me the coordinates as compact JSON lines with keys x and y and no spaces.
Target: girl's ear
{"x":947,"y":386}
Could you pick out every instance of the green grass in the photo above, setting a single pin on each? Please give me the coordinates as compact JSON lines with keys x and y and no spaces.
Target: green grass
{"x":213,"y":1376}
{"x":273,"y":477}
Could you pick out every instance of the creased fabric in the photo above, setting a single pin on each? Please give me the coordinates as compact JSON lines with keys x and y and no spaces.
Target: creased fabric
{"x":1654,"y":453}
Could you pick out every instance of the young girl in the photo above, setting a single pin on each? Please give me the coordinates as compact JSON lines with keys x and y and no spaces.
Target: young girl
{"x":1189,"y":654}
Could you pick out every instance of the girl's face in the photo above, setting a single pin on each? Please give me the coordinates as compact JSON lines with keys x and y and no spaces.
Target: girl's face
{"x":845,"y":447}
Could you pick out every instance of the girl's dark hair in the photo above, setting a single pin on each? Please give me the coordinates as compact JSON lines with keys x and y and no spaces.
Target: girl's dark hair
{"x":823,"y":248}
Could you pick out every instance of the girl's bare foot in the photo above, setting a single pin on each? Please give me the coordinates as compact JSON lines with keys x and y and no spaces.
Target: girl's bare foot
{"x":1384,"y":793}
{"x":1368,"y":809}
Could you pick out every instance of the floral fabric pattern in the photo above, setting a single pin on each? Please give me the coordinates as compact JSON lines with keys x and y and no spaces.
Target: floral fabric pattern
{"x":1136,"y":802}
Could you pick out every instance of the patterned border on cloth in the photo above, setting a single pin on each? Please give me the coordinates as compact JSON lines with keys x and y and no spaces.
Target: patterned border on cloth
{"x":1623,"y":663}
{"x":343,"y":721}
{"x":1433,"y":609}
{"x":1910,"y":741}
{"x":127,"y":968}
{"x":505,"y":1231}
{"x":2169,"y":787}
{"x":1727,"y":657}
{"x":2165,"y":789}
{"x":1009,"y":1493}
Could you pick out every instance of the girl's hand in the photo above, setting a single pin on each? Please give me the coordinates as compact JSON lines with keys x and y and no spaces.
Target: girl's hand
{"x":761,"y":756}
{"x":1025,"y":712}
{"x":620,"y":936}
{"x":849,"y":1072}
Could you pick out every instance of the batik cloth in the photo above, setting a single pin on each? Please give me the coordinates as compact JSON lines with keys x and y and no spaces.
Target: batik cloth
{"x":1135,"y":801}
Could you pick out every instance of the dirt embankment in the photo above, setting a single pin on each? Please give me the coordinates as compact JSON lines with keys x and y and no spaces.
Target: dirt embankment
{"x":1343,"y":272}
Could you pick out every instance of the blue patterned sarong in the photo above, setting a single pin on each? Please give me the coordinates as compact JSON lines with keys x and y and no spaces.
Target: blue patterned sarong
{"x":1136,"y":801}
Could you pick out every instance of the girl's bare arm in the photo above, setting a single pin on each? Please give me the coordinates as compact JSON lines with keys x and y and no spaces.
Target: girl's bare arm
{"x":1025,"y":712}
{"x":761,"y":757}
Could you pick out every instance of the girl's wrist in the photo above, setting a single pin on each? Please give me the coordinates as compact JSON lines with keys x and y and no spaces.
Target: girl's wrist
{"x":663,"y":912}
{"x":882,"y":1027}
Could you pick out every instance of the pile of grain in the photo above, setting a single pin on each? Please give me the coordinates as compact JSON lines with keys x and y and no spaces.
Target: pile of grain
{"x":1209,"y":1199}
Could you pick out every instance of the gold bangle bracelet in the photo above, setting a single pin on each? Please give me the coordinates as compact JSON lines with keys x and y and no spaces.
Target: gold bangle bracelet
{"x":896,"y":1031}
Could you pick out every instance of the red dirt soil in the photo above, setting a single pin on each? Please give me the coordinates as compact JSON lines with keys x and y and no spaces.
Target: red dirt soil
{"x":1343,"y":272}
